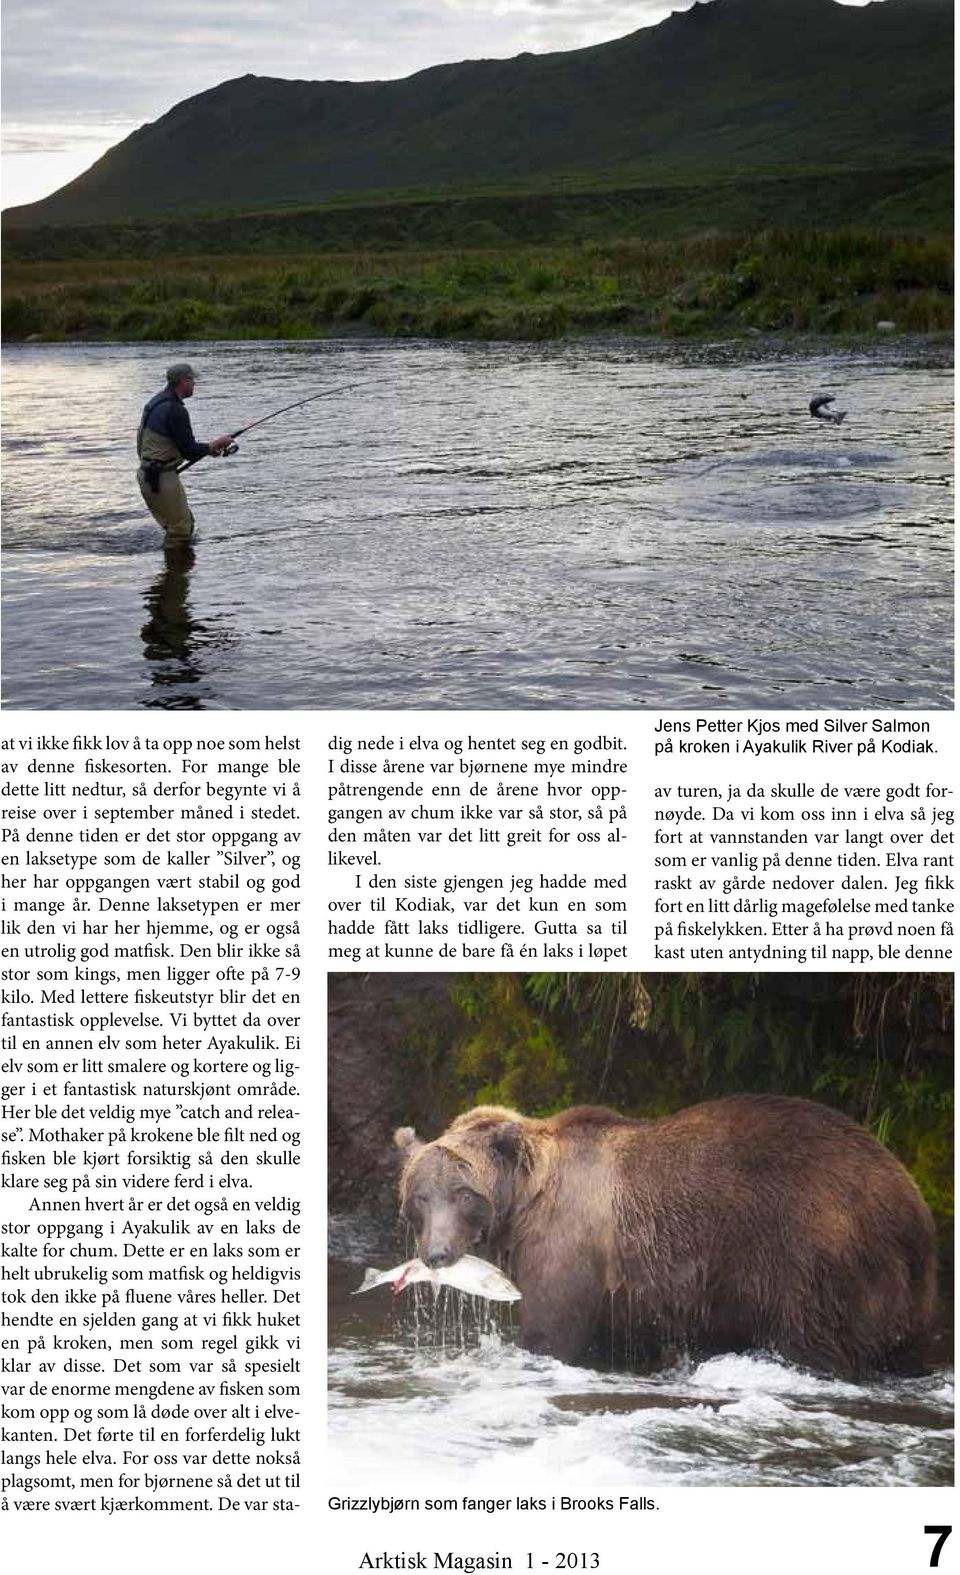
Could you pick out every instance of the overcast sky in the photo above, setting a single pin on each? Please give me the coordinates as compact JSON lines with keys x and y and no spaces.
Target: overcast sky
{"x":78,"y":78}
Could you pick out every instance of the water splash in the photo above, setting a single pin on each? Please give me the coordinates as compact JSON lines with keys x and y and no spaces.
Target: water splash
{"x":442,"y":1387}
{"x":446,"y":1322}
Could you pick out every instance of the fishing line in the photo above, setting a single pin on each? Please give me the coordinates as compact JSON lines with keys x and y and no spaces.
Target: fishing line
{"x":326,"y":393}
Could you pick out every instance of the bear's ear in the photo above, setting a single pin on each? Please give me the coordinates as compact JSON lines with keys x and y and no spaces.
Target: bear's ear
{"x":407,"y":1141}
{"x":506,"y":1141}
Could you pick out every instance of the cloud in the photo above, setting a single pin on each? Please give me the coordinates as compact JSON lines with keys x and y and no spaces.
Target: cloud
{"x":78,"y":78}
{"x":67,"y":63}
{"x":53,"y":137}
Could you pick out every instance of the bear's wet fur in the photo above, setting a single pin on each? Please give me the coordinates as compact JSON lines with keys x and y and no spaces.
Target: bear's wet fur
{"x":750,"y":1223}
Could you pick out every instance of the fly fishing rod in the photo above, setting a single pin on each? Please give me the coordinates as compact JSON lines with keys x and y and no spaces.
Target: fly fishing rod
{"x":233,"y":445}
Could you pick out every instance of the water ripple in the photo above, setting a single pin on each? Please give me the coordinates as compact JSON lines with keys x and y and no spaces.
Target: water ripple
{"x":602,"y":525}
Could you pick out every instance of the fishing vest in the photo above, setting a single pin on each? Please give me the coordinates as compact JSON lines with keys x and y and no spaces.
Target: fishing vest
{"x":156,"y":448}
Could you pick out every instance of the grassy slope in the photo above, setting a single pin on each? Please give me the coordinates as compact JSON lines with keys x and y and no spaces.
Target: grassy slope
{"x":732,"y":86}
{"x":917,"y":196}
{"x":532,"y":197}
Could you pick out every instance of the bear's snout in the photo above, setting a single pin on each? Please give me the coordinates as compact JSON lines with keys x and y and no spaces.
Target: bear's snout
{"x":438,"y":1258}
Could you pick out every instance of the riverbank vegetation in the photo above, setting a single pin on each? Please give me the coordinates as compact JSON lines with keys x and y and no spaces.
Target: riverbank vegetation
{"x":878,"y":1046}
{"x":717,"y":284}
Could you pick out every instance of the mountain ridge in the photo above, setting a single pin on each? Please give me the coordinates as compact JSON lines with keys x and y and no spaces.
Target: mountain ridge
{"x":740,"y":86}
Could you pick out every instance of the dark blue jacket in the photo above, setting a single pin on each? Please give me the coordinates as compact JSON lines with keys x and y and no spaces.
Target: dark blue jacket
{"x":167,"y":414}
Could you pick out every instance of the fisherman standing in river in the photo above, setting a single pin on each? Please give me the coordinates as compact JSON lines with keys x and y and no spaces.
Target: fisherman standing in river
{"x":165,"y":440}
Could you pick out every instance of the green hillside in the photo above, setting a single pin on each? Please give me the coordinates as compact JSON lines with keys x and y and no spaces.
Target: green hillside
{"x":900,"y":197}
{"x":734,"y":91}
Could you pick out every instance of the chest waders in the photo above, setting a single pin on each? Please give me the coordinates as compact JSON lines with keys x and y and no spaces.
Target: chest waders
{"x":161,"y":461}
{"x":160,"y":486}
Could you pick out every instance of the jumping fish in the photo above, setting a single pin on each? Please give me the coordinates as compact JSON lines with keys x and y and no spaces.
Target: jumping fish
{"x":818,"y":408}
{"x":472,"y":1275}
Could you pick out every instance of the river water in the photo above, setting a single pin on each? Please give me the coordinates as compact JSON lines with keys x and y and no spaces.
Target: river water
{"x":575,"y":525}
{"x":446,"y":1392}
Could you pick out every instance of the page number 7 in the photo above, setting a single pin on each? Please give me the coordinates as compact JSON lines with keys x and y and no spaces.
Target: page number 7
{"x":941,"y":1533}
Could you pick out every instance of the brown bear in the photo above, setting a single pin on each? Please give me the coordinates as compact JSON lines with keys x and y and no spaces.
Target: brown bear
{"x":750,"y":1223}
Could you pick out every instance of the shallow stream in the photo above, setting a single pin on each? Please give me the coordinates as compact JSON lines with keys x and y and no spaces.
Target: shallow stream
{"x":586,"y":524}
